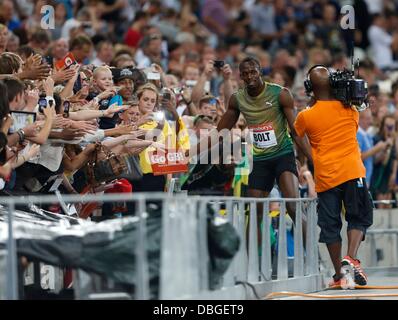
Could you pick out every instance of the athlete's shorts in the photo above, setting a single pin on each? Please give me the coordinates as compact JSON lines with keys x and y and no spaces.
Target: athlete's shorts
{"x":265,"y":172}
{"x":358,"y":209}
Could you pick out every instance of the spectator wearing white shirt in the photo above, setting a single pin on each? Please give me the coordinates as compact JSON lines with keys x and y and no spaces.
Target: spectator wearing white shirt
{"x":150,"y":51}
{"x":382,"y":44}
{"x":105,"y":53}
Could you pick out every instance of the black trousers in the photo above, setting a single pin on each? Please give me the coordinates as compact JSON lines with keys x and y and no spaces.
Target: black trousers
{"x":358,"y":209}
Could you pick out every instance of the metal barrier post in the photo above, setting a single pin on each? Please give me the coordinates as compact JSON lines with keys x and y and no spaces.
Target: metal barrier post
{"x":253,"y":272}
{"x":216,"y":207}
{"x":203,"y":249}
{"x":166,"y":252}
{"x":396,"y":249}
{"x":141,"y":252}
{"x":242,"y":256}
{"x":190,"y":248}
{"x":266,"y":265}
{"x":316,"y":246}
{"x":298,"y":243}
{"x":228,"y":279}
{"x":373,"y":250}
{"x":172,"y":185}
{"x":282,"y":272}
{"x":315,"y":265}
{"x":312,"y":244}
{"x":235,"y":223}
{"x":12,"y":267}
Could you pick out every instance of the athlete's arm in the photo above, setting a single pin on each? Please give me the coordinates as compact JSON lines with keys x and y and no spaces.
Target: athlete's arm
{"x":231,"y":116}
{"x":228,"y":120}
{"x":287,"y":103}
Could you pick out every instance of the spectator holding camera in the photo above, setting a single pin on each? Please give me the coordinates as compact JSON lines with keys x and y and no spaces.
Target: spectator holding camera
{"x":211,"y":66}
{"x":38,"y":132}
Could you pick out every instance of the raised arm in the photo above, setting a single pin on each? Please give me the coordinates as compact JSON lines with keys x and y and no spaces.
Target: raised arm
{"x":231,"y":116}
{"x":227,"y":121}
{"x":287,"y":103}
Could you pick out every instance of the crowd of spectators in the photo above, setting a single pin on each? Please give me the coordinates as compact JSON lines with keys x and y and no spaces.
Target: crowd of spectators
{"x":133,"y":58}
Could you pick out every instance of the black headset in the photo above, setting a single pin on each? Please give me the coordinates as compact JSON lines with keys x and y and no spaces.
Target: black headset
{"x":307,"y":82}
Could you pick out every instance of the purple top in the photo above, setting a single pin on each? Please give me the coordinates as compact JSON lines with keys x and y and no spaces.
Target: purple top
{"x":216,"y":10}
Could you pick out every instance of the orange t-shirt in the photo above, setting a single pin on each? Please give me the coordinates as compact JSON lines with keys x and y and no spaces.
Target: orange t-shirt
{"x":331,"y":129}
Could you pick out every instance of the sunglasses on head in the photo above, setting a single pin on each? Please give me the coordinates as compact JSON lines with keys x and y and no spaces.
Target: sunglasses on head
{"x":201,"y":117}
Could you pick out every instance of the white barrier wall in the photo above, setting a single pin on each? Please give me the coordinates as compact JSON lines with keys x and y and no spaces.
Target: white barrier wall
{"x":379,"y":249}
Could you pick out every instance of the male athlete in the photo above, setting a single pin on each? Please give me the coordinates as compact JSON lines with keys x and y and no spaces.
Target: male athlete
{"x":269,"y":112}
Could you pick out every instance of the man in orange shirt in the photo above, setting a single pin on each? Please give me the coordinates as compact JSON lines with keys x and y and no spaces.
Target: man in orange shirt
{"x":339,"y":175}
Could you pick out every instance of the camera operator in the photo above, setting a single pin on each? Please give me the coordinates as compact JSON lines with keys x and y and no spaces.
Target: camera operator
{"x":339,"y":174}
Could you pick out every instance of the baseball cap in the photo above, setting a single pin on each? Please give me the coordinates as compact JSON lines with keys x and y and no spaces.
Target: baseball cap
{"x":208,"y":98}
{"x":120,"y":74}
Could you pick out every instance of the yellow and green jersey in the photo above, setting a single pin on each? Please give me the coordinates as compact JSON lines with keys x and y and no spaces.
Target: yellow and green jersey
{"x":267,"y":122}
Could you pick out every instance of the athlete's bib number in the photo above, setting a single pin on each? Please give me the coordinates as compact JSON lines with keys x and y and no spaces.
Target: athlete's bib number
{"x":263,"y":136}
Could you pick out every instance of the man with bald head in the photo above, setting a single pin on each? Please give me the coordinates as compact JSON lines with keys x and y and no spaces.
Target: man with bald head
{"x":339,"y":175}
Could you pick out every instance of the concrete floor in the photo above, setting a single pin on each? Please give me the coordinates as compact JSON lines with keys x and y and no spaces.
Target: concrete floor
{"x":382,"y":277}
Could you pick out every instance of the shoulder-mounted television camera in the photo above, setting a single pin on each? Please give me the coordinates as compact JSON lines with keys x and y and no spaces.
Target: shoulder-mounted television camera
{"x":351,"y":91}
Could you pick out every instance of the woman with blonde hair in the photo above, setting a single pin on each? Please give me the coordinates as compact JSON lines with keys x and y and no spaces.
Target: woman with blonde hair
{"x":4,"y":36}
{"x":156,"y":125}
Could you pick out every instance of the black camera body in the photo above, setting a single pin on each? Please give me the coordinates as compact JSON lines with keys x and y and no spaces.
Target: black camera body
{"x":347,"y":89}
{"x":218,"y":64}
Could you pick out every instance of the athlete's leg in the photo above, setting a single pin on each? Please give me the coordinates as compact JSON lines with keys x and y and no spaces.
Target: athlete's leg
{"x":256,"y":193}
{"x":288,"y":184}
{"x":261,"y":181}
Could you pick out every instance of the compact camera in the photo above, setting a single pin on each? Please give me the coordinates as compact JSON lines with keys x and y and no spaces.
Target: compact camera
{"x":42,"y":103}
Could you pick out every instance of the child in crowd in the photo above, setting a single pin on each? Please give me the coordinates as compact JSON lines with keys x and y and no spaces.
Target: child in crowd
{"x":108,"y":95}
